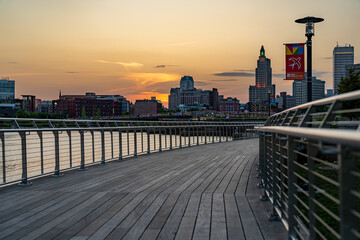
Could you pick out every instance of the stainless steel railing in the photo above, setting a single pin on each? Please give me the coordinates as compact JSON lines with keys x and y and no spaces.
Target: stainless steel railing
{"x":309,"y":165}
{"x":35,"y":151}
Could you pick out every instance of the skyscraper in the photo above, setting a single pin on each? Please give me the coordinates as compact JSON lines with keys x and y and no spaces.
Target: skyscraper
{"x":259,"y":94}
{"x":342,"y":56}
{"x":300,"y":90}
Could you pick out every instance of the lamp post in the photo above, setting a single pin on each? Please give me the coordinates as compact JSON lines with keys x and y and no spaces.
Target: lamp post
{"x":309,"y":32}
{"x":269,"y":93}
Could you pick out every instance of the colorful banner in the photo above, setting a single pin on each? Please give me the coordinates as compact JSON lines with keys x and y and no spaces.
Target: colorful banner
{"x":272,"y":100}
{"x":294,"y":60}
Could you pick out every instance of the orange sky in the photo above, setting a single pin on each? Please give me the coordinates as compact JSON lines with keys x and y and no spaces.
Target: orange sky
{"x":141,"y":48}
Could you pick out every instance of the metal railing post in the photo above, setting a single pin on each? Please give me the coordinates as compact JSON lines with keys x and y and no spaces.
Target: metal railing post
{"x":220,"y":133}
{"x":24,"y":177}
{"x":70,"y":147}
{"x":227,"y":133}
{"x":93,"y":145}
{"x":349,"y":222}
{"x":82,"y":149}
{"x":154,"y":139}
{"x":197,"y":136}
{"x":148,"y":140}
{"x":120,"y":146}
{"x":180,"y":141}
{"x":112,"y":144}
{"x":188,"y":128}
{"x":311,"y":152}
{"x":170,"y":138}
{"x":291,"y":155}
{"x":160,"y":145}
{"x":102,"y":147}
{"x":2,"y":137}
{"x":41,"y":151}
{"x":205,"y":135}
{"x":142,"y":140}
{"x":213,"y":134}
{"x":135,"y":143}
{"x":57,"y":154}
{"x":275,"y":174}
{"x":128,"y":142}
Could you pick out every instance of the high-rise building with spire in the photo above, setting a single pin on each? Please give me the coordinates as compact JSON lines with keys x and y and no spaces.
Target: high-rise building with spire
{"x":259,"y":93}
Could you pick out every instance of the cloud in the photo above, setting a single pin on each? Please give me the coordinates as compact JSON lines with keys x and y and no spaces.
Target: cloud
{"x":201,"y":83}
{"x":164,"y":66}
{"x":124,"y":64}
{"x":319,"y":73}
{"x":234,"y":74}
{"x":224,"y":80}
{"x":71,"y":72}
{"x":278,"y":75}
{"x":241,"y":70}
{"x":13,"y":62}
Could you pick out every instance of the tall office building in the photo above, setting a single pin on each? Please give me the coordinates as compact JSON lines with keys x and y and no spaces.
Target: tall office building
{"x":259,"y":93}
{"x":300,"y":90}
{"x":7,"y":97}
{"x":342,"y":56}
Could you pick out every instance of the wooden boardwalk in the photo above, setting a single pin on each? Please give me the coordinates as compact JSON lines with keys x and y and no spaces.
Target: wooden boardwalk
{"x":205,"y":192}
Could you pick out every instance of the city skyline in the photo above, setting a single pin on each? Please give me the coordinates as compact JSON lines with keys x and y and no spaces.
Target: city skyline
{"x":141,"y":49}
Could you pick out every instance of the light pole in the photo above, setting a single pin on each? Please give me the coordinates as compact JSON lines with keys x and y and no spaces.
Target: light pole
{"x":309,"y":32}
{"x":269,"y":93}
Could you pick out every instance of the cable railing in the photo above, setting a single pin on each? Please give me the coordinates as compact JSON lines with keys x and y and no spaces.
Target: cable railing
{"x":35,"y":151}
{"x":20,"y":123}
{"x":309,"y":165}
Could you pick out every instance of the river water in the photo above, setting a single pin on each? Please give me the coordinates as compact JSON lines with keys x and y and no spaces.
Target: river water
{"x":11,"y":157}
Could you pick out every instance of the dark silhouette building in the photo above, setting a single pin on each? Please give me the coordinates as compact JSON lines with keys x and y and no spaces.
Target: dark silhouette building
{"x":188,"y":95}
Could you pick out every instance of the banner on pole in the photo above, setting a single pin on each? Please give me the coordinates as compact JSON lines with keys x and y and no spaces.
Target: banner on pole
{"x":272,"y":100}
{"x":294,"y":59}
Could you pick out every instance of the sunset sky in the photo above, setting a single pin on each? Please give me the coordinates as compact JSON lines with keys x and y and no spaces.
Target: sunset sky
{"x":141,"y":48}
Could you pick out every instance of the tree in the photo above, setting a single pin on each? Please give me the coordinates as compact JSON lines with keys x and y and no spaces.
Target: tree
{"x":83,"y":112}
{"x":98,"y":113}
{"x":349,"y":84}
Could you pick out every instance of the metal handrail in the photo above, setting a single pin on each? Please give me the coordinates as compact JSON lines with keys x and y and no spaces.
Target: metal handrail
{"x":323,"y":113}
{"x":309,"y":166}
{"x":354,"y":95}
{"x":30,"y":123}
{"x":27,"y":153}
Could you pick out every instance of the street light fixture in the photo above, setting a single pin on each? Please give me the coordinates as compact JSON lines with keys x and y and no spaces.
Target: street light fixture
{"x":309,"y":32}
{"x":269,"y":93}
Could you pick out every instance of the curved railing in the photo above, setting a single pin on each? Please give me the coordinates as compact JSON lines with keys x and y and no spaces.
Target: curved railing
{"x":54,"y":146}
{"x":309,"y":160}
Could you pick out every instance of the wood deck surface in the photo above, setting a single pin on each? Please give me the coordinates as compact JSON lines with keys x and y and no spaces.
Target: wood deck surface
{"x":202,"y":192}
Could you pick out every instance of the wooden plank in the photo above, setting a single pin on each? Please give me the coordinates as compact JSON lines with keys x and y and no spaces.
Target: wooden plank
{"x":188,"y":221}
{"x":33,"y":204}
{"x":171,"y":183}
{"x":67,"y":220}
{"x":203,"y":223}
{"x":218,"y":221}
{"x":21,"y":228}
{"x":262,"y":210}
{"x":233,"y":222}
{"x":35,"y":233}
{"x":90,"y":218}
{"x":28,"y":214}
